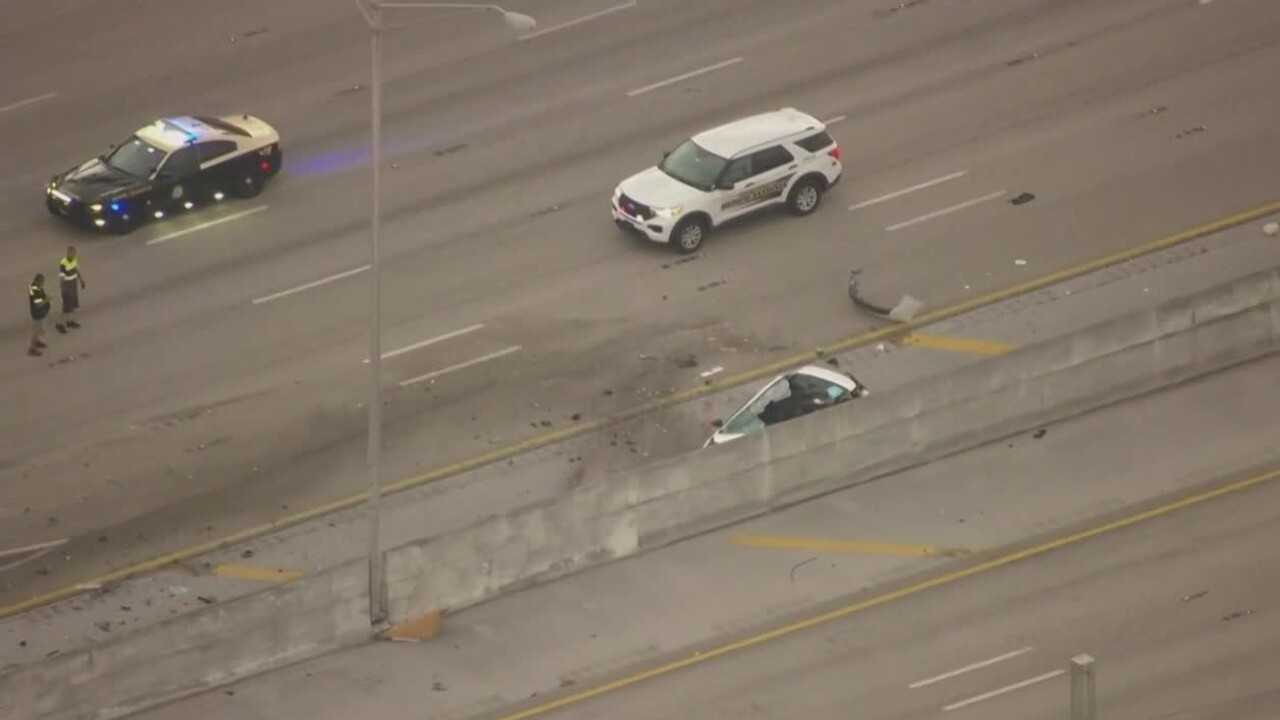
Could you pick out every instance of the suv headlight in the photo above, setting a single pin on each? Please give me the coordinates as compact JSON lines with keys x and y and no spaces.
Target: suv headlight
{"x":668,"y":213}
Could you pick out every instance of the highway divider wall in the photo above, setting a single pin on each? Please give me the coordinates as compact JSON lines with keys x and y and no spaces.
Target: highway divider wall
{"x":668,"y":501}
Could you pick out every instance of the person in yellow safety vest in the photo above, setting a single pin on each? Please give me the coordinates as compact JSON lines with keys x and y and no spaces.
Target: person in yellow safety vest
{"x":38,"y":301}
{"x":71,"y":283}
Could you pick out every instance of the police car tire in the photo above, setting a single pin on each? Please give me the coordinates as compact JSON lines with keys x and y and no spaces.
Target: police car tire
{"x":807,"y":190}
{"x":248,"y":185}
{"x":684,"y":226}
{"x":121,"y":225}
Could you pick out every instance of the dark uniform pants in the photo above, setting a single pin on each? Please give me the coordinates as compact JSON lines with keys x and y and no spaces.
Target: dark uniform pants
{"x":70,"y":297}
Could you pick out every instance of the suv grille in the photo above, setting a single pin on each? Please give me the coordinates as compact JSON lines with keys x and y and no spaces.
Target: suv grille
{"x":633,"y":208}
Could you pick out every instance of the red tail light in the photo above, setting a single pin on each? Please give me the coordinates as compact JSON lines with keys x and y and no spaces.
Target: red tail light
{"x":835,"y":153}
{"x":266,"y":166}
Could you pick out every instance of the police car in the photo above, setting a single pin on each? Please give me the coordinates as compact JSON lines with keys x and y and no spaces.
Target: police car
{"x":780,"y":157}
{"x":172,"y":165}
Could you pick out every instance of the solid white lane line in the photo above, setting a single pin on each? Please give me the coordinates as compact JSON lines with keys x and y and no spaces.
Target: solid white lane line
{"x":969,"y":668}
{"x":578,"y":21}
{"x":202,"y":226}
{"x":28,"y":101}
{"x":462,"y":365}
{"x":313,"y":284}
{"x":686,"y":76}
{"x":429,"y":342}
{"x":946,"y":211}
{"x":913,"y":188}
{"x":834,"y":120}
{"x":1004,"y":690}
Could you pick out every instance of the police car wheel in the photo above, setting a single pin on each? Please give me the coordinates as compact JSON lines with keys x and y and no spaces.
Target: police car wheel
{"x":248,"y":185}
{"x":688,"y":234}
{"x":805,"y":197}
{"x":121,"y":224}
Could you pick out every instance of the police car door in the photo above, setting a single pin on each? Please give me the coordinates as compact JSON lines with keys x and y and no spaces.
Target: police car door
{"x":759,"y":180}
{"x":178,"y":180}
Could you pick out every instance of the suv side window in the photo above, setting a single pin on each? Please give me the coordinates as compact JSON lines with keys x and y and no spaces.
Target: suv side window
{"x":816,"y":142}
{"x":214,"y":149}
{"x":181,"y":164}
{"x":770,"y":158}
{"x":737,"y":171}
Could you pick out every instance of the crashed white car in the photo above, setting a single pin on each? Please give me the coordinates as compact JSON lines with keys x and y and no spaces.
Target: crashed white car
{"x":780,"y":157}
{"x":789,"y":396}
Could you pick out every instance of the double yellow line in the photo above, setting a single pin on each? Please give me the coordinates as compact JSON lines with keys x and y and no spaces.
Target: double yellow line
{"x":729,"y":381}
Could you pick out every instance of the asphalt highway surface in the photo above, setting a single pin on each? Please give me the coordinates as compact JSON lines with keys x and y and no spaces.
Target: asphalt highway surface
{"x":1180,"y":621}
{"x":218,"y":380}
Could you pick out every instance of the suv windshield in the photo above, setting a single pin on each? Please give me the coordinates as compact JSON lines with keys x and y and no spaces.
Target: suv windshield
{"x":135,"y":157}
{"x":693,"y":165}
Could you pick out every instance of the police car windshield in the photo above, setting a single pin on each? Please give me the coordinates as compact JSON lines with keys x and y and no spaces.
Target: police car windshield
{"x":694,"y":165}
{"x":135,"y":157}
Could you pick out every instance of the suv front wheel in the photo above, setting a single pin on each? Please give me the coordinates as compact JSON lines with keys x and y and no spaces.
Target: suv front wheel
{"x":688,"y":234}
{"x":805,"y":196}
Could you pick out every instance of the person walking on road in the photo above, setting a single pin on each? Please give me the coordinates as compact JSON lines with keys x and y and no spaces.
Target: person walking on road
{"x":71,"y":284}
{"x":38,"y":301}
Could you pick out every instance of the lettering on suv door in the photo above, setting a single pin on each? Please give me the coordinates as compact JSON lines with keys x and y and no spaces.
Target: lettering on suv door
{"x":769,"y":169}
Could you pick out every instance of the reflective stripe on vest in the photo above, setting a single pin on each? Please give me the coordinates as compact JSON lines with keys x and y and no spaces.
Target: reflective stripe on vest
{"x":36,"y":294}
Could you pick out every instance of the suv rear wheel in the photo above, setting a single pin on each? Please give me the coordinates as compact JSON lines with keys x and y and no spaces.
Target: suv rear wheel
{"x":805,"y":196}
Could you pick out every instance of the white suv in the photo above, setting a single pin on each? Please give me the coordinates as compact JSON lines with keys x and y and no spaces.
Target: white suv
{"x":783,"y":156}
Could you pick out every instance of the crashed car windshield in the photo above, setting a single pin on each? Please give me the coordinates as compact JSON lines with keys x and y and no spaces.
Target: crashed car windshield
{"x":135,"y":157}
{"x":787,"y":398}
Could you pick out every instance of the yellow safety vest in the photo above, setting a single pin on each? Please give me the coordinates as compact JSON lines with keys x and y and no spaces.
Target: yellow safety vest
{"x":69,"y":269}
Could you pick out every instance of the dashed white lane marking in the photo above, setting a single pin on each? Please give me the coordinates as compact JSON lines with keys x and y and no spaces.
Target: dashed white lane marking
{"x":30,"y":552}
{"x":313,"y":284}
{"x":907,"y":191}
{"x":28,"y":101}
{"x":685,"y":76}
{"x":836,"y":119}
{"x":462,"y":365}
{"x":969,"y":668}
{"x":203,"y":226}
{"x":578,"y":21}
{"x":430,"y":341}
{"x":946,"y":211}
{"x":1004,"y":690}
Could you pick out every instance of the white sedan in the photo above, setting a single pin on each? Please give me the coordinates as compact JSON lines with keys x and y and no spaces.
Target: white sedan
{"x":788,"y":396}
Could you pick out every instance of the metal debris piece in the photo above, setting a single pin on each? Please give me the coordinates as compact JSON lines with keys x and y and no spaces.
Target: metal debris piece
{"x":1039,"y":433}
{"x":452,"y":149}
{"x":713,"y":371}
{"x":1235,"y":615}
{"x":1194,"y":596}
{"x":1189,"y":132}
{"x":1023,"y":198}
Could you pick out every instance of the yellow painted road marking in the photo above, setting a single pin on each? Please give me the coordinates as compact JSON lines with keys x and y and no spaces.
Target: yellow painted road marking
{"x":785,"y":542}
{"x":256,"y":573}
{"x":970,"y":346}
{"x":887,"y":332}
{"x":903,"y":593}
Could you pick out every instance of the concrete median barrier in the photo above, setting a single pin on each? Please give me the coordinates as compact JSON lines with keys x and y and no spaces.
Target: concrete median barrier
{"x":1112,"y":361}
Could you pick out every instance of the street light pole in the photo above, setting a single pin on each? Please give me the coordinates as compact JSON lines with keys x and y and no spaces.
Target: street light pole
{"x":372,"y":11}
